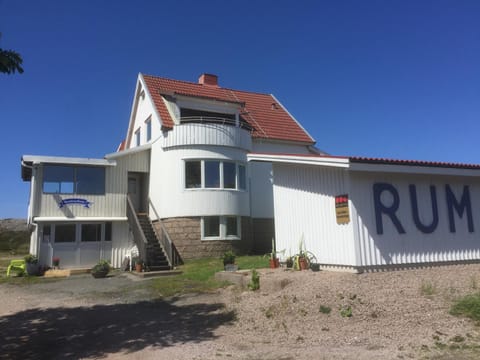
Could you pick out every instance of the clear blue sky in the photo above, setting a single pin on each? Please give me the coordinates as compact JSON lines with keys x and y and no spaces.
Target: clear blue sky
{"x":395,"y":79}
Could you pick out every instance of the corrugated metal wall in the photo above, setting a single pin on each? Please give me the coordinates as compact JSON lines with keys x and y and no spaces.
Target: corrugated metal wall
{"x":304,"y":200}
{"x":413,"y":246}
{"x":112,"y":204}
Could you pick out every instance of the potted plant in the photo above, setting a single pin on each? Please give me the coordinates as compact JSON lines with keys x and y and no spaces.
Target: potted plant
{"x":31,"y":262}
{"x":289,"y":262}
{"x":229,"y":261}
{"x":56,"y":262}
{"x":101,"y":269}
{"x":137,"y":263}
{"x":274,"y":261}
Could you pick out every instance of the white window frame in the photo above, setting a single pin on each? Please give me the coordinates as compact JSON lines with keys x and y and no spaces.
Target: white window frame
{"x":222,"y":180}
{"x":223,"y":228}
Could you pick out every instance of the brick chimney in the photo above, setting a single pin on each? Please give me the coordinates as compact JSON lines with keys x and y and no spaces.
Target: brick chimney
{"x":208,"y":79}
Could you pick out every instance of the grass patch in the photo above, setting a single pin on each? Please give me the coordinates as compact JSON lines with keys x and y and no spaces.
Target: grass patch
{"x":198,"y":275}
{"x":468,"y":306}
{"x":428,"y":288}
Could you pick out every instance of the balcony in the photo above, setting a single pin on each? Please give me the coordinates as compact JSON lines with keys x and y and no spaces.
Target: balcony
{"x":199,"y":130}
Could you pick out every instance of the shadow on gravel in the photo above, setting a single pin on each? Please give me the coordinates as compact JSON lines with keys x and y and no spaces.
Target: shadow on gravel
{"x":95,"y":331}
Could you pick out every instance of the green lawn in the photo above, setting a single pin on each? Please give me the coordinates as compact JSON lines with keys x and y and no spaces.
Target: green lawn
{"x":198,"y":275}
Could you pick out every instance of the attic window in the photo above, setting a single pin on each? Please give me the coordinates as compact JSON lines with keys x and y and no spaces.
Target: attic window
{"x":274,"y":106}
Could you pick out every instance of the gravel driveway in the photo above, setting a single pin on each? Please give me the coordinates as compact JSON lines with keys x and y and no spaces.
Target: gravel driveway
{"x":295,"y":315}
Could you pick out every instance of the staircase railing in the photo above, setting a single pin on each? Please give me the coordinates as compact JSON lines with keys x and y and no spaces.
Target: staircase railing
{"x":138,"y":235}
{"x":168,"y":246}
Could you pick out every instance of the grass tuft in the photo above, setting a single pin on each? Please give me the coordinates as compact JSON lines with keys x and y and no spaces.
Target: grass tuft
{"x":468,"y":306}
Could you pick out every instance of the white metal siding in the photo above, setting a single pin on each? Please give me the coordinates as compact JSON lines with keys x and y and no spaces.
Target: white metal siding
{"x":208,"y":134}
{"x":414,"y":246}
{"x":305,"y":205}
{"x":167,"y":184}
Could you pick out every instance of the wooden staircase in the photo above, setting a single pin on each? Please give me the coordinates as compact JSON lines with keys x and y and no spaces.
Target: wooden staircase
{"x":155,"y":257}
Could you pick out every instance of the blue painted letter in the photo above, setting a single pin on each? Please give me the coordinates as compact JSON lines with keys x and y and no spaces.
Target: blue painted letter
{"x":427,"y":229}
{"x":380,"y":208}
{"x":460,"y":207}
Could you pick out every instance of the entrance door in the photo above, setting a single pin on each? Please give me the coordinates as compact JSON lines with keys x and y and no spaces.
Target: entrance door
{"x":134,"y":190}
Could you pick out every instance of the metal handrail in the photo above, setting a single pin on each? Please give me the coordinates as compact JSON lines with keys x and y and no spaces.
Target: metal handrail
{"x":166,"y":243}
{"x":214,"y":120}
{"x":138,"y":235}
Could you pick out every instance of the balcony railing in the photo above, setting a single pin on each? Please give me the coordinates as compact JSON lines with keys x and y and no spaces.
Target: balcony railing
{"x":208,"y":131}
{"x":214,"y":120}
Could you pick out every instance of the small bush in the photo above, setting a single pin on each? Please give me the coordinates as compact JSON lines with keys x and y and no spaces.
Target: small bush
{"x":428,"y":288}
{"x":325,"y":309}
{"x":255,"y":283}
{"x":468,"y":306}
{"x":346,"y":311}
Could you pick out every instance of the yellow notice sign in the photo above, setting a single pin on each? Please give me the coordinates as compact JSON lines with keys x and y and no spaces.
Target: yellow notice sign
{"x":341,"y":209}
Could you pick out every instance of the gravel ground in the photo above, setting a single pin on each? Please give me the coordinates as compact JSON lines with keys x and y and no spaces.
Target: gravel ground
{"x":394,"y":315}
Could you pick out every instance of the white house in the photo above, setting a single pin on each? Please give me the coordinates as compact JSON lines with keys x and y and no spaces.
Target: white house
{"x":359,"y":213}
{"x":179,"y":185}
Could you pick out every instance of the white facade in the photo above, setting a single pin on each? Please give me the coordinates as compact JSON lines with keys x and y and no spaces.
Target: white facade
{"x":399,"y":215}
{"x":204,"y":132}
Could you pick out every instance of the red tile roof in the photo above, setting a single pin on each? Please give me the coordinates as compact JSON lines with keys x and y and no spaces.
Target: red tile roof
{"x":262,"y":112}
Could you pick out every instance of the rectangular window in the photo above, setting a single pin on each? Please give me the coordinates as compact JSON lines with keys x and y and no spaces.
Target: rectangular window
{"x":211,"y":226}
{"x":215,"y":174}
{"x":229,"y":181}
{"x":242,"y":177}
{"x":221,"y":228}
{"x":193,"y":174}
{"x":137,"y":137}
{"x":73,"y":180}
{"x":58,"y":179}
{"x":91,"y":232}
{"x":90,"y":180}
{"x":148,"y":124}
{"x":64,"y":233}
{"x":212,"y":174}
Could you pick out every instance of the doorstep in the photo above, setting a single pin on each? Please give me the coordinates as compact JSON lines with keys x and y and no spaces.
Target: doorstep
{"x":150,"y":274}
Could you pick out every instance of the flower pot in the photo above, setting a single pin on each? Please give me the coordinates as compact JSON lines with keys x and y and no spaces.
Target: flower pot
{"x":138,"y":267}
{"x":303,"y":263}
{"x":289,"y":263}
{"x":32,"y":269}
{"x":100,"y":273}
{"x":315,"y":266}
{"x":274,"y":263}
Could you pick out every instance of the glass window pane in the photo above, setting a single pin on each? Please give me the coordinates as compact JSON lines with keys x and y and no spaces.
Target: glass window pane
{"x":242,"y":178}
{"x":193,"y":174}
{"x":211,"y":226}
{"x":90,"y":180}
{"x":212,"y":174}
{"x":149,"y":130}
{"x":91,"y":232}
{"x":64,"y":233}
{"x":232,"y":229}
{"x":137,"y":138}
{"x":58,"y":179}
{"x":229,"y":175}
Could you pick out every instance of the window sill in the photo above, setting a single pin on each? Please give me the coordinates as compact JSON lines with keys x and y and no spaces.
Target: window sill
{"x":236,"y":238}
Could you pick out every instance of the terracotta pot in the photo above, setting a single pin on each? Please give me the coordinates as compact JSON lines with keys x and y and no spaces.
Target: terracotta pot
{"x":138,"y":267}
{"x":303,"y":263}
{"x":274,"y":263}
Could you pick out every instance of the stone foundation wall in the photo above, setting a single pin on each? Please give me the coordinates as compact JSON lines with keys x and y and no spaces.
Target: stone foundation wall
{"x":185,"y":233}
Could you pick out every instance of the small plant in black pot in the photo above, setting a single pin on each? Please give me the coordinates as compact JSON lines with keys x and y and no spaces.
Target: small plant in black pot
{"x":229,"y":261}
{"x":100,"y":270}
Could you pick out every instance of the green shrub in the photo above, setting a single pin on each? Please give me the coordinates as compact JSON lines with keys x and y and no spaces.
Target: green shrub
{"x":346,"y":311}
{"x":325,"y":309}
{"x":468,"y":306}
{"x":255,"y":283}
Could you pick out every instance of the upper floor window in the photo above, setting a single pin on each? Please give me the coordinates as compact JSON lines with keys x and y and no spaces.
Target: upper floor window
{"x":148,"y":125}
{"x":137,"y":137}
{"x":215,"y":174}
{"x":62,"y":179}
